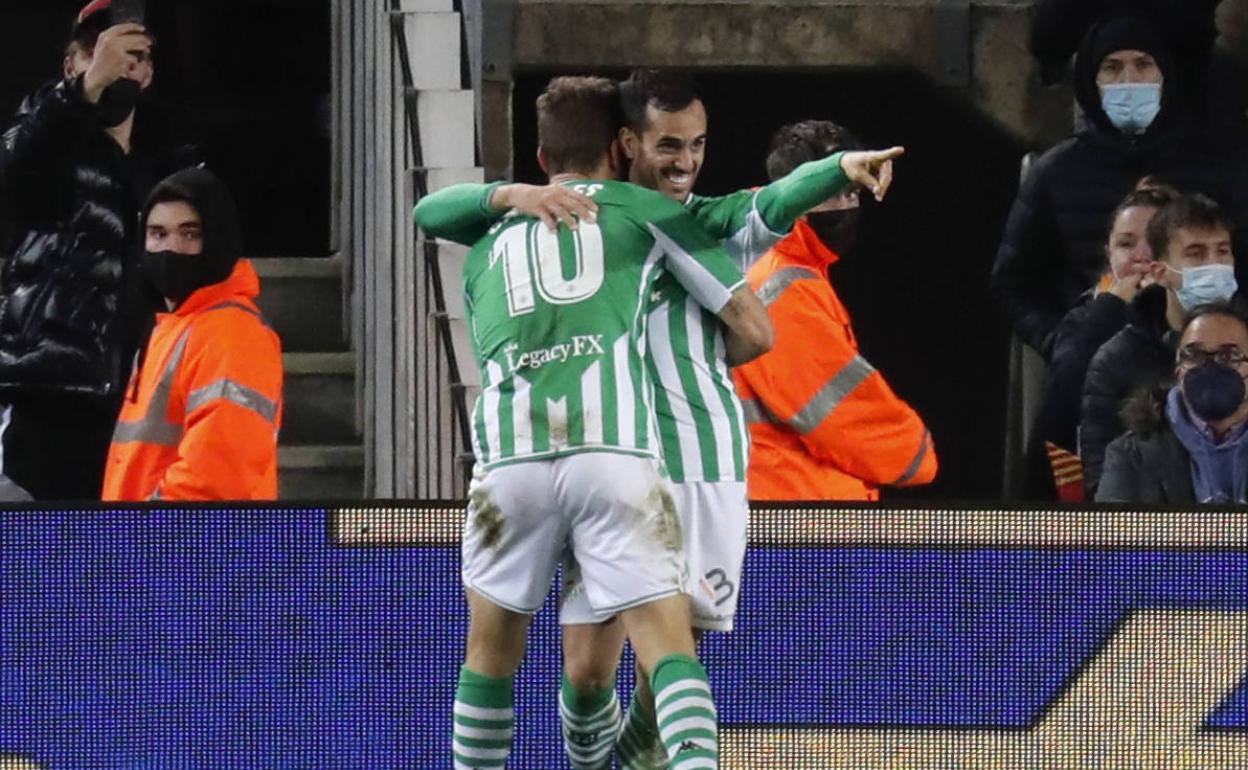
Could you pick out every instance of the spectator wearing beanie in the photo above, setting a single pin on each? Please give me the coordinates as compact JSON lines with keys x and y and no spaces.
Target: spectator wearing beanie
{"x":1135,"y":126}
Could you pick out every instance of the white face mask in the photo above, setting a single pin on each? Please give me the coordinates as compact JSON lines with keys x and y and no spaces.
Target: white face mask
{"x":1131,"y":107}
{"x":1205,"y":284}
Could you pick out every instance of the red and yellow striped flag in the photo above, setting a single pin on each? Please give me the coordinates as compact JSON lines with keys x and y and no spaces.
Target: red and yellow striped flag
{"x":1067,"y":473}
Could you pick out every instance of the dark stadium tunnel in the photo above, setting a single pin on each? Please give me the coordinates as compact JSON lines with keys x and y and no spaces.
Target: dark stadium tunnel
{"x":917,"y":283}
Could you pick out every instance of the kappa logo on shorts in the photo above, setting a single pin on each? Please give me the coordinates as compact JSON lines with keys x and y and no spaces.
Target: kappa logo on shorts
{"x":588,"y":740}
{"x":688,"y":746}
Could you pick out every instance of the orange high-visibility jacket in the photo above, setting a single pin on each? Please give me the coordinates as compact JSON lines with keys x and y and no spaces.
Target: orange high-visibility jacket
{"x":823,"y":422}
{"x":202,"y":412}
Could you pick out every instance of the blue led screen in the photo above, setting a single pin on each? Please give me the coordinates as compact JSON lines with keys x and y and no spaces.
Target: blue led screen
{"x":248,"y":639}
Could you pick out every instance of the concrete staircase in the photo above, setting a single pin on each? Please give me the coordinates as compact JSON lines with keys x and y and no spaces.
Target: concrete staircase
{"x":320,"y":454}
{"x":446,"y":115}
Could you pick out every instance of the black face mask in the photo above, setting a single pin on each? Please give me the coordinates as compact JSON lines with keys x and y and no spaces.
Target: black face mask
{"x":837,"y":229}
{"x":1213,"y":391}
{"x":118,"y":101}
{"x":174,"y":276}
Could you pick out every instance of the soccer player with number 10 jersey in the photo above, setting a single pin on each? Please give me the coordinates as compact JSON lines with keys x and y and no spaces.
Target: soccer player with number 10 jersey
{"x":699,"y":418}
{"x":563,"y":432}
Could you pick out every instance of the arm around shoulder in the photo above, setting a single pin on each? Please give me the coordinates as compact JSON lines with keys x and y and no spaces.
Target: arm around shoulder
{"x":460,"y":213}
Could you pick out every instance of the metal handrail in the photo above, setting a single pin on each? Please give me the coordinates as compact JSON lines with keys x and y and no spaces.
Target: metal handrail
{"x":430,"y":247}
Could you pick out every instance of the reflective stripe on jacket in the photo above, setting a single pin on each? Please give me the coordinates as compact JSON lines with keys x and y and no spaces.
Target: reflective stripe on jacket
{"x":824,"y":424}
{"x":201,"y":415}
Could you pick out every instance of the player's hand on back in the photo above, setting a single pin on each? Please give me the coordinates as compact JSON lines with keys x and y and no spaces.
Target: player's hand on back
{"x":552,"y":203}
{"x":873,"y":169}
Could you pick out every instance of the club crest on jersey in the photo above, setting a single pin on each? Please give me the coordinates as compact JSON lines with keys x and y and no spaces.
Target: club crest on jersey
{"x":579,"y":346}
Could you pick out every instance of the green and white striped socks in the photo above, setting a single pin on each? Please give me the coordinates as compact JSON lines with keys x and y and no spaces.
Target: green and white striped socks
{"x":590,"y":723}
{"x":686,"y":713}
{"x":639,"y":747}
{"x":484,"y":721}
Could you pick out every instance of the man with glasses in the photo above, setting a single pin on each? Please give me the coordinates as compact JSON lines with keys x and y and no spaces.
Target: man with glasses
{"x":1190,"y":444}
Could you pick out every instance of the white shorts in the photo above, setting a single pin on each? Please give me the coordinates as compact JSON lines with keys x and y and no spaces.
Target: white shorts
{"x":714,"y":517}
{"x":612,"y":513}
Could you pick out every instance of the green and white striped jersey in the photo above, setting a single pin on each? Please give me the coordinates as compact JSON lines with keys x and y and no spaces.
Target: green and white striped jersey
{"x":559,"y":321}
{"x":699,"y":417}
{"x":701,"y":423}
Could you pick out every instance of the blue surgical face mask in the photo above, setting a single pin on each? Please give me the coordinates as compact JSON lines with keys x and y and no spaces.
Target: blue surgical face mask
{"x":1131,"y":107}
{"x":1205,"y":284}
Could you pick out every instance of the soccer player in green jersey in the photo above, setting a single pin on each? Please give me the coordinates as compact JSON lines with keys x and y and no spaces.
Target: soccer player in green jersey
{"x":701,"y":426}
{"x":566,"y":454}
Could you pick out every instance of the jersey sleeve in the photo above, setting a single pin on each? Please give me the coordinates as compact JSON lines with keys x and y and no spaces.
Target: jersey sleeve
{"x":693,"y":257}
{"x":751,"y":222}
{"x":460,"y":213}
{"x":780,"y":203}
{"x":736,"y":222}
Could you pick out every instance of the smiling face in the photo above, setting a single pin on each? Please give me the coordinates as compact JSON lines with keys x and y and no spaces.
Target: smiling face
{"x":668,"y":153}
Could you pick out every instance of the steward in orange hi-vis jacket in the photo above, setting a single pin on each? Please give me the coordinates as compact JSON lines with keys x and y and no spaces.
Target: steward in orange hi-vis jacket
{"x":202,"y":412}
{"x":824,"y":424}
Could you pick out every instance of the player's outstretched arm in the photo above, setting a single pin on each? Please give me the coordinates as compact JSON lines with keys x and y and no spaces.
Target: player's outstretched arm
{"x":810,"y":184}
{"x":792,"y":195}
{"x":749,"y":330}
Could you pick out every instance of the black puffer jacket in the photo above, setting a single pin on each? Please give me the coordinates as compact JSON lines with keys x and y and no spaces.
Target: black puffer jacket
{"x":1052,"y":249}
{"x":71,"y":313}
{"x":1135,"y":359}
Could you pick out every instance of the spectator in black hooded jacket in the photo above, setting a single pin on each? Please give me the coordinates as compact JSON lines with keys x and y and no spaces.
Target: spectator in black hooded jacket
{"x":74,"y":168}
{"x":1050,"y":253}
{"x":1213,"y":71}
{"x":1190,"y":237}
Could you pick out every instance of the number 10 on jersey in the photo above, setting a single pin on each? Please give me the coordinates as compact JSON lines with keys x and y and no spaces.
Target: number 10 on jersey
{"x":528,"y":250}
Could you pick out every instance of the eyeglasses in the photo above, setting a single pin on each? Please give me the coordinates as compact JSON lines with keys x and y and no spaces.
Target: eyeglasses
{"x":1227,"y":355}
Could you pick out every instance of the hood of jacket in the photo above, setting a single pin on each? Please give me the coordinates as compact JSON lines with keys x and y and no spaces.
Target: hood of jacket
{"x":1124,"y":31}
{"x":1144,"y":411}
{"x":218,"y":216}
